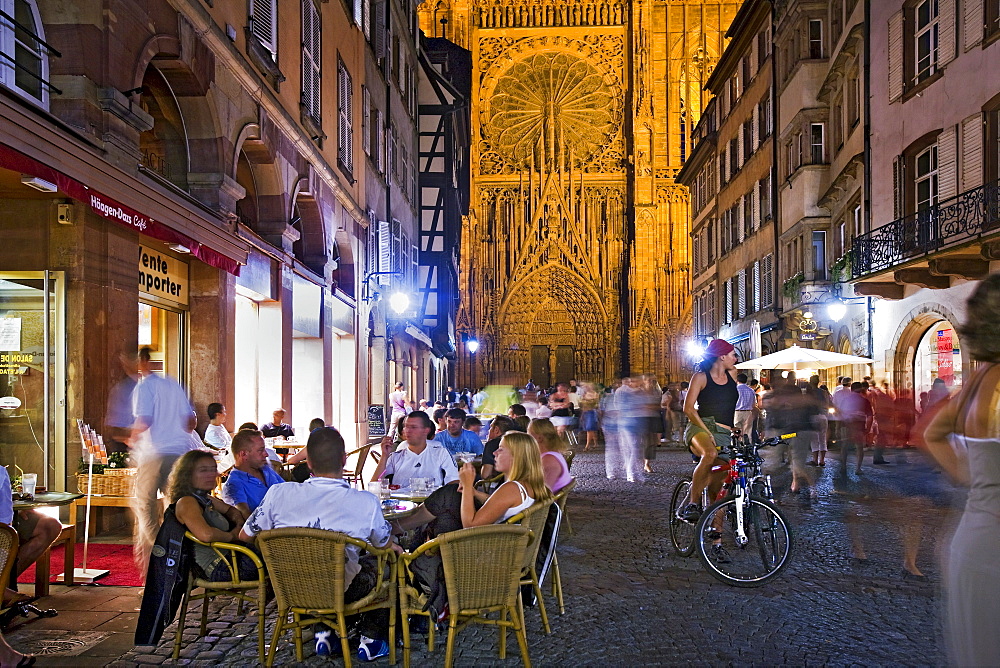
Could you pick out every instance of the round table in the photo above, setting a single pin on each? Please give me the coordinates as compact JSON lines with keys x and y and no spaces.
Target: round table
{"x":404,"y":508}
{"x":47,"y":500}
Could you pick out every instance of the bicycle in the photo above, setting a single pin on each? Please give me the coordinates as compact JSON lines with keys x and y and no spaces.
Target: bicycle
{"x":742,"y":539}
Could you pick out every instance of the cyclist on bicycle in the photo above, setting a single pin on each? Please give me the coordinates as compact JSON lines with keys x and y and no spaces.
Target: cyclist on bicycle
{"x":713,"y":389}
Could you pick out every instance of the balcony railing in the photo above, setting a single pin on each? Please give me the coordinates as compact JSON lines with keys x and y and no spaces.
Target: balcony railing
{"x":949,"y":223}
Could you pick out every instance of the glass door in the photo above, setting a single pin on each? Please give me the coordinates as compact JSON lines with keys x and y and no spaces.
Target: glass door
{"x":32,"y":376}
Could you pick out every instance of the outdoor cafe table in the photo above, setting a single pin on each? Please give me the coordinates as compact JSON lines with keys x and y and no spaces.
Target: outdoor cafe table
{"x":400,"y":508}
{"x":67,"y":535}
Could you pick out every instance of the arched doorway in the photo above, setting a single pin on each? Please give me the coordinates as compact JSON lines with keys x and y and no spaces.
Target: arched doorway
{"x":928,"y":348}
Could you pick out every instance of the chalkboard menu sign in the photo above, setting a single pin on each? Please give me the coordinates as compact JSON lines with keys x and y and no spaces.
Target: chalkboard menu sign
{"x":376,"y":420}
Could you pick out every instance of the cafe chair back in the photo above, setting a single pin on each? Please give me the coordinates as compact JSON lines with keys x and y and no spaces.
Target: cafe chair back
{"x":356,"y":475}
{"x":534,"y":518}
{"x":560,"y":501}
{"x":245,"y":591}
{"x":9,"y":543}
{"x":306,"y":568}
{"x":489,"y":485}
{"x":472,"y":596}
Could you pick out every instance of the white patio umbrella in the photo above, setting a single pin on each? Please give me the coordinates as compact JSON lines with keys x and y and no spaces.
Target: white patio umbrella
{"x":808,"y":358}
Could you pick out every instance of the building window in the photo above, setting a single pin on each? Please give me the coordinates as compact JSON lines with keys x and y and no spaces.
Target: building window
{"x":925,"y":40}
{"x":734,"y":156}
{"x":767,"y":282}
{"x":311,"y":60}
{"x":764,"y":188}
{"x":366,"y":121}
{"x":24,"y":64}
{"x":764,"y":117}
{"x":763,"y":47}
{"x":747,"y":139}
{"x":837,"y":123}
{"x":345,"y":118}
{"x":992,"y":164}
{"x":817,"y":154}
{"x":925,"y":182}
{"x":992,"y":17}
{"x":722,"y":168}
{"x":816,"y":38}
{"x":819,"y":255}
{"x":853,"y":94}
{"x":858,"y":222}
{"x":710,"y":316}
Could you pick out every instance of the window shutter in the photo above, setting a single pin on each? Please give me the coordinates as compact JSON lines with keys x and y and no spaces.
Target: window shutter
{"x":710,"y":316}
{"x":947,"y":169}
{"x":729,"y":301}
{"x":972,"y":10}
{"x":414,"y":269}
{"x":358,"y":19}
{"x":366,"y":18}
{"x":263,"y":24}
{"x":767,"y":281}
{"x":756,"y":286}
{"x":754,"y":128}
{"x":311,"y":59}
{"x":366,"y":110}
{"x":345,"y":97}
{"x":898,"y":186}
{"x":947,"y":32}
{"x":895,"y":56}
{"x":742,"y":290}
{"x":972,"y":152}
{"x":379,"y":29}
{"x":373,"y":249}
{"x":380,"y":130}
{"x":384,"y":251}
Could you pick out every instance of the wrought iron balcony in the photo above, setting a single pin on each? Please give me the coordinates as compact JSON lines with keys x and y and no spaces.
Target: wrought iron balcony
{"x":952,"y":222}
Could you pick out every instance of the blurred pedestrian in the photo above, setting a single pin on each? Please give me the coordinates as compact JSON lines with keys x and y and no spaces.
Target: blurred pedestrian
{"x":822,"y":420}
{"x":164,"y":422}
{"x":398,"y":406}
{"x":589,"y":424}
{"x":614,"y":459}
{"x":855,"y":414}
{"x":119,"y":418}
{"x":964,"y":438}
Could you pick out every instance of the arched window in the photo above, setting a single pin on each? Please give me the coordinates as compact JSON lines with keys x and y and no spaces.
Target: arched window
{"x":24,"y":64}
{"x":164,"y":147}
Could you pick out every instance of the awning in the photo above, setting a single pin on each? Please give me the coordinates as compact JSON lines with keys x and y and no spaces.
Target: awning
{"x":111,"y":209}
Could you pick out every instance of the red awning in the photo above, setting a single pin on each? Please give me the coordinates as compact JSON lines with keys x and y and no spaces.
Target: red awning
{"x":115,"y":211}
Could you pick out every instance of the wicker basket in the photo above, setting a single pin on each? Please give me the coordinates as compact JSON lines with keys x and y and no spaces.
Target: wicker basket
{"x":113,"y":482}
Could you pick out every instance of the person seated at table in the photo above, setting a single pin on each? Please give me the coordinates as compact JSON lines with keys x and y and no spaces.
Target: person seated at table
{"x":500,"y":425}
{"x":473,"y":424}
{"x":455,"y":437}
{"x":418,"y":457}
{"x":327,"y":501}
{"x":519,"y":414}
{"x":440,"y":417}
{"x":315,"y":424}
{"x":251,"y":476}
{"x":460,"y":506}
{"x":217,"y":436}
{"x":35,"y":531}
{"x":277,"y":427}
{"x":552,"y":447}
{"x":208,"y":519}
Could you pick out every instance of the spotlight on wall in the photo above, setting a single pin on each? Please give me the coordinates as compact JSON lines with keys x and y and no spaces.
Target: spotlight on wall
{"x":38,"y":184}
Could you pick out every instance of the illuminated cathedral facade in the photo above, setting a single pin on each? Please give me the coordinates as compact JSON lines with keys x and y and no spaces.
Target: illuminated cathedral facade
{"x":575,"y":252}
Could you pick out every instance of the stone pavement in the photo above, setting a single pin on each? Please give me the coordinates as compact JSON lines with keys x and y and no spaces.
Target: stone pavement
{"x":631,"y":601}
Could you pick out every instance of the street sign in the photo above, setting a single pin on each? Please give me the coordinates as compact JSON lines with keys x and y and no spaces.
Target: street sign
{"x":376,"y":420}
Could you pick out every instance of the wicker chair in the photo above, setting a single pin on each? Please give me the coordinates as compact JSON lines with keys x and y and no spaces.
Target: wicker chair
{"x":560,"y":500}
{"x":471,"y":596}
{"x":306,"y":568}
{"x":534,"y":518}
{"x":240,"y":589}
{"x":9,"y":543}
{"x":356,"y":475}
{"x":489,"y":485}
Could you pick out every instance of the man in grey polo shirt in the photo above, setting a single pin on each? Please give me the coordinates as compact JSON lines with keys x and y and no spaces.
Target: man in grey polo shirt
{"x":419,"y":458}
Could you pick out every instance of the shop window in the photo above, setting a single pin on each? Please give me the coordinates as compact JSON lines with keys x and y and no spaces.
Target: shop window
{"x":164,"y":147}
{"x":937,"y":357}
{"x":24,"y":65}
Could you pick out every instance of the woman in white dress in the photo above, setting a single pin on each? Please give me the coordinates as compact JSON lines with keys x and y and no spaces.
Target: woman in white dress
{"x":964,"y":438}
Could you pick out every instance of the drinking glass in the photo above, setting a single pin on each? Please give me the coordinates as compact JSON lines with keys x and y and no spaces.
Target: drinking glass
{"x":375,"y":488}
{"x":28,"y":482}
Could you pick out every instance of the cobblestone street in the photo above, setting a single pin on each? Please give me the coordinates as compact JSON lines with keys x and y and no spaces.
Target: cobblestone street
{"x":630,"y":600}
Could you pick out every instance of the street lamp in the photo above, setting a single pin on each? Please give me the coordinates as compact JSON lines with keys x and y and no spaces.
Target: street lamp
{"x":399,"y":302}
{"x":472,"y":345}
{"x":836,"y":310}
{"x":695,"y":348}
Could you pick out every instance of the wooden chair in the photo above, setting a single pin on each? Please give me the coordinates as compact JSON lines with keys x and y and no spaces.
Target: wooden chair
{"x":534,"y":519}
{"x":471,"y":595}
{"x":240,"y":589}
{"x":356,"y":475}
{"x":306,"y":567}
{"x":67,"y":535}
{"x":560,"y":500}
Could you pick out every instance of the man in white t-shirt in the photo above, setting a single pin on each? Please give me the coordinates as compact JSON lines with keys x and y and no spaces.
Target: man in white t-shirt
{"x":327,"y":501}
{"x":164,"y":424}
{"x":417,"y":457}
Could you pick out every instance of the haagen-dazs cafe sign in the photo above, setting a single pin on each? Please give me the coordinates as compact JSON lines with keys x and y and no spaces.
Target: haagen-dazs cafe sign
{"x":162,"y":276}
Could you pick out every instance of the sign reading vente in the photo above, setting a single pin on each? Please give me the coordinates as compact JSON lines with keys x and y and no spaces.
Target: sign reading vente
{"x":162,"y":276}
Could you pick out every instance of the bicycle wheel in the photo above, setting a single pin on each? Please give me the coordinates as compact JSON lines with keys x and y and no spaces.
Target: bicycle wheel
{"x":758,"y":556}
{"x":681,"y":533}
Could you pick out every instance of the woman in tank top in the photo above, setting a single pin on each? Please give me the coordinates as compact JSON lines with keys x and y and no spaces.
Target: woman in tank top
{"x":710,"y":406}
{"x":520,"y":460}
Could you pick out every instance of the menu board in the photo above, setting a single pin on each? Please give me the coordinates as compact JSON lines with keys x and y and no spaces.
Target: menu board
{"x":376,"y":420}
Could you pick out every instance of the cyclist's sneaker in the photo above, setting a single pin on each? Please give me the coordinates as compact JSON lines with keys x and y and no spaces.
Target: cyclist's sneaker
{"x":323,"y":645}
{"x":691,"y":513}
{"x":720,"y":555}
{"x":372,"y":648}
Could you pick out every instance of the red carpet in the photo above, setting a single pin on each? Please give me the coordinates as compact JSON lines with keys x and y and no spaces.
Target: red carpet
{"x":115,"y":558}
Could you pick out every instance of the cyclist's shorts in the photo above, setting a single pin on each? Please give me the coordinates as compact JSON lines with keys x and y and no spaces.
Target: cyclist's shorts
{"x":723,"y":437}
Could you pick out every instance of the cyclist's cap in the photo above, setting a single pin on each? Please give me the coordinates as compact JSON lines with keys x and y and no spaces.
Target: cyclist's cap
{"x":718,"y":348}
